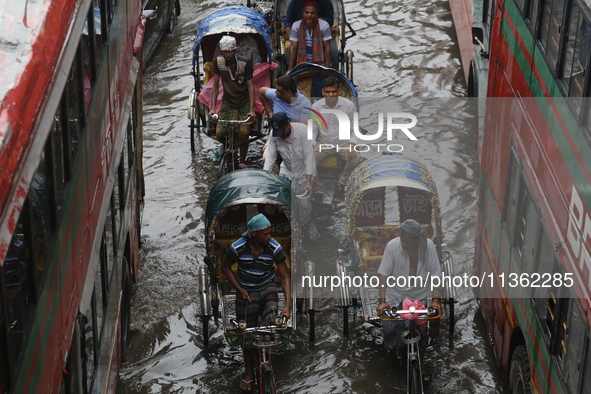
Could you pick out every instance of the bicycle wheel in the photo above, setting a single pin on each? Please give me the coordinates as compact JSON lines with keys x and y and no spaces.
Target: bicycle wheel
{"x":268,"y":383}
{"x":227,"y":164}
{"x":415,"y":378}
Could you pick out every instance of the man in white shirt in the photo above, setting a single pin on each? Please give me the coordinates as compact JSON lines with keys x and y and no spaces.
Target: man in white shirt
{"x":290,"y":141}
{"x":309,"y":38}
{"x":325,"y":138}
{"x":410,"y":255}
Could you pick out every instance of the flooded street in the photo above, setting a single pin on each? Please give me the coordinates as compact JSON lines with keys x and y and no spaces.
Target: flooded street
{"x":405,"y":48}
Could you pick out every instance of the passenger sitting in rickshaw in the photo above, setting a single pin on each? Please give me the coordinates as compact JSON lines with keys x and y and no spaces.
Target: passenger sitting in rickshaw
{"x":290,"y":141}
{"x":286,"y":98}
{"x":296,"y":7}
{"x":238,"y":103}
{"x":327,"y":140}
{"x":411,"y":254}
{"x":310,"y":38}
{"x":257,"y":254}
{"x":247,"y":49}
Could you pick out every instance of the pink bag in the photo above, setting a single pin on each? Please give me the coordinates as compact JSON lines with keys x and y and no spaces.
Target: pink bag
{"x":406,"y":304}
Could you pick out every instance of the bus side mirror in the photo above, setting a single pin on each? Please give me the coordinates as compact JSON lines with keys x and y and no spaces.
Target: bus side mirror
{"x":477,"y":35}
{"x":478,"y":39}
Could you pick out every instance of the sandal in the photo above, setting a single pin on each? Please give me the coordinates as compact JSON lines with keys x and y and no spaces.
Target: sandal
{"x":314,"y":235}
{"x":339,"y":193}
{"x":217,"y":156}
{"x":246,"y":385}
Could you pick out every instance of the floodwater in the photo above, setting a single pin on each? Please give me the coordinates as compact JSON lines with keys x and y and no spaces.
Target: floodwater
{"x":404,"y":48}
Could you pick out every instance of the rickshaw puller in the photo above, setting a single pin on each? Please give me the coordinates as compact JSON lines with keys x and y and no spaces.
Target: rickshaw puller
{"x":238,"y":103}
{"x":411,"y":254}
{"x":257,"y":254}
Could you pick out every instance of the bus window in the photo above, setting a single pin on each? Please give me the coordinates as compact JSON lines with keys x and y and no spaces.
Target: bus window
{"x":532,"y":14}
{"x":100,"y":296}
{"x":546,"y":266}
{"x":576,"y":57}
{"x":60,"y":160}
{"x":550,"y":30}
{"x":74,"y":96}
{"x":587,"y":374}
{"x":526,"y":239}
{"x":574,"y":345}
{"x":521,"y":5}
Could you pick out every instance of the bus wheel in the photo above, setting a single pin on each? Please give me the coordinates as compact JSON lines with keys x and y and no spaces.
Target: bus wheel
{"x":520,"y":375}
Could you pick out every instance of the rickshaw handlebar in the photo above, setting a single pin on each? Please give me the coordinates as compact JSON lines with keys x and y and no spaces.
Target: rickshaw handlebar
{"x":216,"y":118}
{"x":280,"y":324}
{"x":421,"y":314}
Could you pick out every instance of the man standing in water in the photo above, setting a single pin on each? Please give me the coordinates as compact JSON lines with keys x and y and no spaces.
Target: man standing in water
{"x":257,"y":254}
{"x":236,"y":74}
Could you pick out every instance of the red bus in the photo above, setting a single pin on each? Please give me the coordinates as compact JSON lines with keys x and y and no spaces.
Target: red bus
{"x":71,"y":189}
{"x":529,"y":66}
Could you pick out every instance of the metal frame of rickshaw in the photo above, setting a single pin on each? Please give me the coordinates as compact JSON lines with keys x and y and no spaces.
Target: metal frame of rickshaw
{"x":368,"y":232}
{"x":232,"y":201}
{"x":342,"y":59}
{"x":223,"y":20}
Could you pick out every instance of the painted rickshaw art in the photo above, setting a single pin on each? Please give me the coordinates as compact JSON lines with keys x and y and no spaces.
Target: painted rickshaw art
{"x":233,"y":200}
{"x":381,"y":194}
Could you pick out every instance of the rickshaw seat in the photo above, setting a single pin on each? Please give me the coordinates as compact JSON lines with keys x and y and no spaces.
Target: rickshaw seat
{"x":208,"y":71}
{"x":332,"y":161}
{"x":370,"y":243}
{"x":223,"y":244}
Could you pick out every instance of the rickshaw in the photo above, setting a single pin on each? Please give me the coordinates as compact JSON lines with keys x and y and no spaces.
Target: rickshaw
{"x":233,"y":200}
{"x":341,"y":59}
{"x":226,"y":20}
{"x":309,"y":79}
{"x":382,"y":193}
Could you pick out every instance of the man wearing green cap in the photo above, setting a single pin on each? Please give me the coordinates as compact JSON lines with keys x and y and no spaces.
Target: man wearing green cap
{"x":257,"y":254}
{"x":410,"y":255}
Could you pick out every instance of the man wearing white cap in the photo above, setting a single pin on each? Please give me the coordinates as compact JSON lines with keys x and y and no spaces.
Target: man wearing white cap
{"x":257,"y":254}
{"x":238,"y":103}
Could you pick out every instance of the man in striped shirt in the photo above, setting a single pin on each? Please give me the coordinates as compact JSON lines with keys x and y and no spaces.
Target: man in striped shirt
{"x":257,"y":254}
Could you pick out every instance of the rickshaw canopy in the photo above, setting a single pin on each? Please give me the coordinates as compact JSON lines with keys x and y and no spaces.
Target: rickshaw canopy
{"x":310,"y":77}
{"x":232,"y":18}
{"x":391,"y":171}
{"x":248,"y":185}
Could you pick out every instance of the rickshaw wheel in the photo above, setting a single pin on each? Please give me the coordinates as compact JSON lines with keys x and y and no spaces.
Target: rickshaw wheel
{"x":452,"y":321}
{"x":415,"y":378}
{"x":345,"y":320}
{"x":205,"y":324}
{"x":267,"y":382}
{"x":228,"y":163}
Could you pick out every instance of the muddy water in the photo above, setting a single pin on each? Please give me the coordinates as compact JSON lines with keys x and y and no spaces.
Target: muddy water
{"x":404,"y":48}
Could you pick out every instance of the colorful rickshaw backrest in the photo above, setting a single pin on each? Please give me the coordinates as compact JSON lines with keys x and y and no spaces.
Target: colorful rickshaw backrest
{"x":309,"y":78}
{"x":366,"y":211}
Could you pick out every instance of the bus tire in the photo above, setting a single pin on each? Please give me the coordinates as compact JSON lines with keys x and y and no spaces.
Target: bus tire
{"x":520,"y":374}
